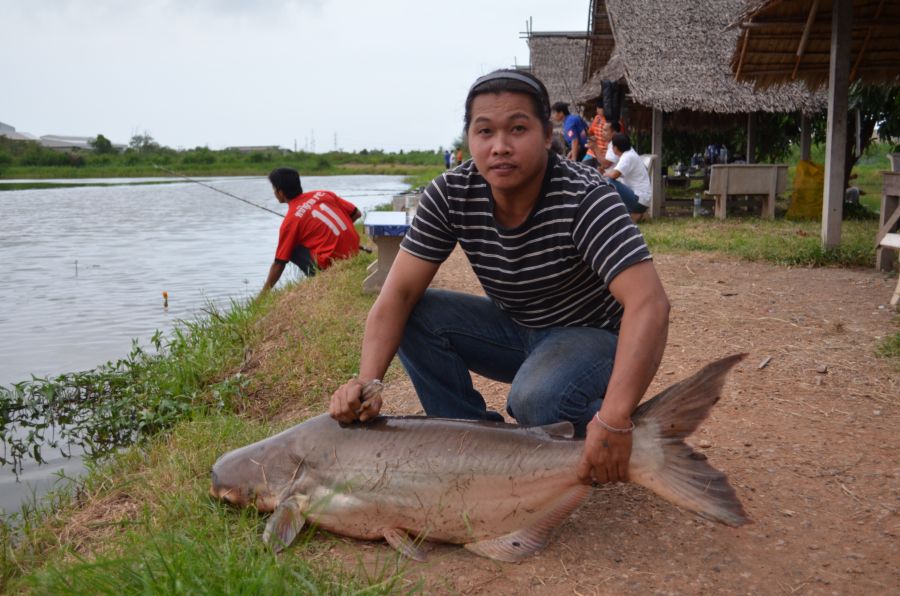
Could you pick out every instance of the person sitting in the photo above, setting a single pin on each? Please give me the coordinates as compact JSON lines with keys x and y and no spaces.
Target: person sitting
{"x":630,"y":178}
{"x":607,"y":156}
{"x":316,"y":231}
{"x":574,"y":130}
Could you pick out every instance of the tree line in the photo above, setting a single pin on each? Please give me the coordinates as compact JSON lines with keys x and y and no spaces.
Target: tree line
{"x":144,"y":150}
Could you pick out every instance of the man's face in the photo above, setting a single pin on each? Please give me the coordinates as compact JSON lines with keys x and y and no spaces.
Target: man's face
{"x":607,"y":132}
{"x":279,"y":195}
{"x":508,"y":142}
{"x":557,"y":116}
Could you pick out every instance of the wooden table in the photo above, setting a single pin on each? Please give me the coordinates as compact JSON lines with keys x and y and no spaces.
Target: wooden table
{"x":386,"y":229}
{"x":766,"y":180}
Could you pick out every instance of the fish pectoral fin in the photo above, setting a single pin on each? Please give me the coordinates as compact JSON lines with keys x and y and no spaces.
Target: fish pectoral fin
{"x":286,"y":522}
{"x":511,"y":548}
{"x":401,"y":541}
{"x":523,"y":543}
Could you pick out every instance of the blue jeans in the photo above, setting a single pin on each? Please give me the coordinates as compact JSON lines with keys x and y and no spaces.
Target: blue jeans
{"x":628,"y":197}
{"x":557,"y":373}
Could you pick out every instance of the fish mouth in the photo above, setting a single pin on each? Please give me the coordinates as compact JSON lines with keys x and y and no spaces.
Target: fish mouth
{"x":232,"y":496}
{"x":264,"y":502}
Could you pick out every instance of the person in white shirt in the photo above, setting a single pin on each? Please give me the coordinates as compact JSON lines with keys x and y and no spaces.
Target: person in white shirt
{"x":609,"y":158}
{"x":629,"y":177}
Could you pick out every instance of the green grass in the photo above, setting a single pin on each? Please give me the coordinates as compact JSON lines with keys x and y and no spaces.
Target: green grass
{"x":889,"y":347}
{"x":780,"y":241}
{"x":142,"y":521}
{"x":143,"y":393}
{"x":150,"y":528}
{"x":424,"y":177}
{"x":868,"y":171}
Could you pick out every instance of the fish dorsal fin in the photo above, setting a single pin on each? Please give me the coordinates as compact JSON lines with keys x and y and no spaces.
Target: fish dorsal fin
{"x":559,"y":430}
{"x":286,"y":522}
{"x":523,"y":543}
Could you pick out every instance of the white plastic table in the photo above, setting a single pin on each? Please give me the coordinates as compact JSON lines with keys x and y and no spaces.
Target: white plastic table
{"x":386,"y":229}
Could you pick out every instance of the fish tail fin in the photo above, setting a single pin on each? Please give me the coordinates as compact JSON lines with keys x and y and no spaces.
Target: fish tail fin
{"x":664,"y":463}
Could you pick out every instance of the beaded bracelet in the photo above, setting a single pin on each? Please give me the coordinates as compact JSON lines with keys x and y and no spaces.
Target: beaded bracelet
{"x":371,"y":389}
{"x":613,"y":429}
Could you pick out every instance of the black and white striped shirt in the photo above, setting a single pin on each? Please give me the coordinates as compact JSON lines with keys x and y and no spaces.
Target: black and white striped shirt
{"x":555,"y":268}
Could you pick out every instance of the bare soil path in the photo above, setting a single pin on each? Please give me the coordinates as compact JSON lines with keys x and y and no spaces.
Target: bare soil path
{"x":810,"y":441}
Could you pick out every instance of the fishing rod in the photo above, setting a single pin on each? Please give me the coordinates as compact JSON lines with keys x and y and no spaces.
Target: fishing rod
{"x":227,"y":194}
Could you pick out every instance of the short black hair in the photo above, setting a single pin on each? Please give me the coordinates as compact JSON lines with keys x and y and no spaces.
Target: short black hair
{"x":287,"y":180}
{"x":560,"y":106}
{"x":511,"y":81}
{"x":621,"y":142}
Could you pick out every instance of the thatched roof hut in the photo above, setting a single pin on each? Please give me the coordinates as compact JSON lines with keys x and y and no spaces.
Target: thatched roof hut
{"x":602,"y":44}
{"x":787,"y":40}
{"x":674,"y":55}
{"x":558,"y":60}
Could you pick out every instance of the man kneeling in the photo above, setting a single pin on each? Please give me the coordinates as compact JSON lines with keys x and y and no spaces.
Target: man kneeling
{"x":630,"y":178}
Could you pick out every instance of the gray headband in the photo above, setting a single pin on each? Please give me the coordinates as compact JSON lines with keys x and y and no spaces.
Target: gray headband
{"x":503,"y":74}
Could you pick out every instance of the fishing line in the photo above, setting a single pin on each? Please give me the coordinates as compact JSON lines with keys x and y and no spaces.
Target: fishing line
{"x":227,"y":194}
{"x":357,"y":192}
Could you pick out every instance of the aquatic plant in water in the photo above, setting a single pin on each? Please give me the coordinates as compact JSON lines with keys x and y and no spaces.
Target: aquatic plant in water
{"x":115,"y":404}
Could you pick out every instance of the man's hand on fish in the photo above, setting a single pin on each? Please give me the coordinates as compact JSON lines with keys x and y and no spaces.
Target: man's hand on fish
{"x":355,"y":400}
{"x":605,"y":456}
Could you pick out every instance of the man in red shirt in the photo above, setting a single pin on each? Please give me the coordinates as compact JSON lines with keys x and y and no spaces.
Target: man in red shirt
{"x":317,"y":229}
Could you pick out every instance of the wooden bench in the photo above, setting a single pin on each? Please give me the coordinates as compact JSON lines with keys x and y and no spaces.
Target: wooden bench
{"x":766,"y":180}
{"x":386,"y":229}
{"x":887,"y":240}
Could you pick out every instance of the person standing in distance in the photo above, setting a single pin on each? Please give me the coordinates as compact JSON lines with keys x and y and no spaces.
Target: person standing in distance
{"x":575,"y":318}
{"x":317,"y":229}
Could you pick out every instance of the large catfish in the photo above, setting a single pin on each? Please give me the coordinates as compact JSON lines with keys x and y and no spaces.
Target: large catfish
{"x":499,"y":489}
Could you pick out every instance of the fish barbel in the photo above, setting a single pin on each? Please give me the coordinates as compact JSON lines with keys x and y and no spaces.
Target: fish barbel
{"x":499,"y":489}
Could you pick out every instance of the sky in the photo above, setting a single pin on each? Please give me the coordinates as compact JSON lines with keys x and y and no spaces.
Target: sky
{"x":306,"y":74}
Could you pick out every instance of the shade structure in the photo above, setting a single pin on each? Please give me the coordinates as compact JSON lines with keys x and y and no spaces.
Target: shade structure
{"x":821,"y":42}
{"x":782,"y":41}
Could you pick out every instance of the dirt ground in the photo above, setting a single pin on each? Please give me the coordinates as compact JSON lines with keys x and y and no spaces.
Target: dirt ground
{"x":809,"y":440}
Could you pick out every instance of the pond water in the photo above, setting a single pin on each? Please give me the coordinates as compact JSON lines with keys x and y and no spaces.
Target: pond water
{"x":82,"y":270}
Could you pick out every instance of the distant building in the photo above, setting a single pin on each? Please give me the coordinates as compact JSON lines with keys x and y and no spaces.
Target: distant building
{"x":72,"y":143}
{"x":66,"y":143}
{"x":10,"y":133}
{"x":255,"y":148}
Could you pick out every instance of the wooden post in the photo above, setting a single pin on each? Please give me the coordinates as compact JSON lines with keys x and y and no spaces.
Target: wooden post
{"x":656,"y":147}
{"x":805,"y":136}
{"x":751,"y":137}
{"x":836,"y":139}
